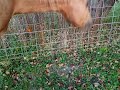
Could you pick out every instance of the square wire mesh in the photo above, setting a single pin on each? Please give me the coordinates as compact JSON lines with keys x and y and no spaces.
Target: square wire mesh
{"x":29,"y":33}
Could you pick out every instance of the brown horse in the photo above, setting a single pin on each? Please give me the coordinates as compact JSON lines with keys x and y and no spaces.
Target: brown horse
{"x":76,"y":11}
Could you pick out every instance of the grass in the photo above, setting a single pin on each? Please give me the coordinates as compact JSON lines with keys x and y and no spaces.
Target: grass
{"x":85,"y":69}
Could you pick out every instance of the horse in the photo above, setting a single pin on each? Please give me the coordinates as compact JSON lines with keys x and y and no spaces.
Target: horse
{"x":75,"y":11}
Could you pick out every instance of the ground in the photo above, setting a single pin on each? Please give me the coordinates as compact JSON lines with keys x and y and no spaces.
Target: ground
{"x":85,"y":69}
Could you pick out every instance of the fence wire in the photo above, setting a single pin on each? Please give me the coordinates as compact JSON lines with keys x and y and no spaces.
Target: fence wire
{"x":49,"y":31}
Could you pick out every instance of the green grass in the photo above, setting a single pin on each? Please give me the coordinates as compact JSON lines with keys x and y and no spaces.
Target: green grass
{"x":91,"y":69}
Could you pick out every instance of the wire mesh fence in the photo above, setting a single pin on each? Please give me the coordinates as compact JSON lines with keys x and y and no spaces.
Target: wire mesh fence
{"x":50,"y":31}
{"x":49,"y":38}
